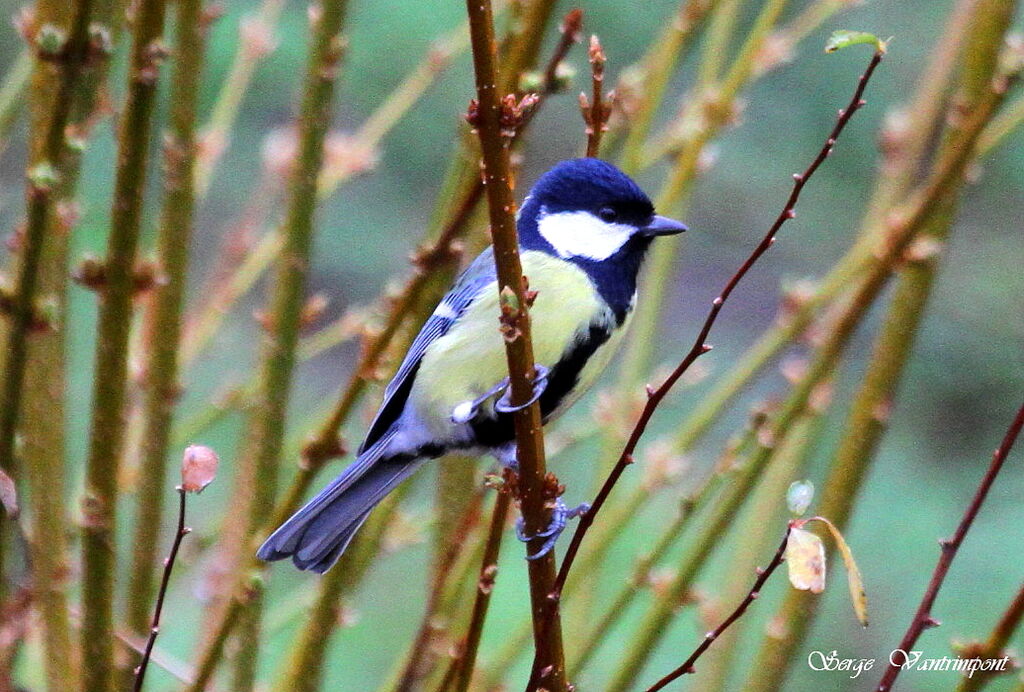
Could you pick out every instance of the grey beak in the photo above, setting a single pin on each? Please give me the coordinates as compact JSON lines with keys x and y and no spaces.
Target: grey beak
{"x":662,"y":225}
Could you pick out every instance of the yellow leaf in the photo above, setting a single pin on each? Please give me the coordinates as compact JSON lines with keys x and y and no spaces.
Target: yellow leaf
{"x":805,"y":557}
{"x":853,"y":576}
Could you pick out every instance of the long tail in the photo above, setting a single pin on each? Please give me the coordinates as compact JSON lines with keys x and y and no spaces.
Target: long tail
{"x":317,"y":535}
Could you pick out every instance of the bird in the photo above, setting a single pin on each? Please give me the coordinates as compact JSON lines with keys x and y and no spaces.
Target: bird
{"x":584,"y":230}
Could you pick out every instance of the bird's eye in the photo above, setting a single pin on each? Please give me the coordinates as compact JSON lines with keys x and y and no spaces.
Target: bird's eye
{"x":607,"y":214}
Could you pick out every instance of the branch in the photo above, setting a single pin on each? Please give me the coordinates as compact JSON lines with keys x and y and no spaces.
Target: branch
{"x":43,"y":175}
{"x":307,"y":662}
{"x":596,"y":110}
{"x":154,"y":629}
{"x":995,"y":646}
{"x":762,"y":576}
{"x":485,"y":585}
{"x":41,"y":419}
{"x":163,"y":326}
{"x":417,"y":663}
{"x":106,"y":438}
{"x":278,"y":350}
{"x":700,"y":345}
{"x":491,"y":109}
{"x":923,"y":617}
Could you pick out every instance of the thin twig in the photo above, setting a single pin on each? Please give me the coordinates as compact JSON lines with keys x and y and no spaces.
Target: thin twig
{"x":485,"y":585}
{"x":700,"y":345}
{"x":762,"y":576}
{"x":869,"y":409}
{"x":923,"y":617}
{"x":597,"y":109}
{"x":154,"y":629}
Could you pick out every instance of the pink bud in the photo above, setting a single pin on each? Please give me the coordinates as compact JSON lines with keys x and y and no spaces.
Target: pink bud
{"x":198,"y":468}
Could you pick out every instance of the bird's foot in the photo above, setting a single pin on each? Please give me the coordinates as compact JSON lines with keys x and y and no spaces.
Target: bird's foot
{"x":559,"y":517}
{"x":540,"y":383}
{"x":468,"y":410}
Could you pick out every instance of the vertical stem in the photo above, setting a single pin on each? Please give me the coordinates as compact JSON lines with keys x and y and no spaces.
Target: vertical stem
{"x":164,"y":322}
{"x":485,"y":584}
{"x":277,"y":360}
{"x":519,"y":349}
{"x":43,"y":404}
{"x":42,"y":176}
{"x":106,"y":438}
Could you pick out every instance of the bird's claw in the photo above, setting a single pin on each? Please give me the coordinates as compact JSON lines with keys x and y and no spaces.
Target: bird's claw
{"x":468,"y":410}
{"x":560,"y":515}
{"x":540,"y":383}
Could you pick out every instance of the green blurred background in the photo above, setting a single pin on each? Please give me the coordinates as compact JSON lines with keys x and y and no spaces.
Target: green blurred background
{"x":961,"y":388}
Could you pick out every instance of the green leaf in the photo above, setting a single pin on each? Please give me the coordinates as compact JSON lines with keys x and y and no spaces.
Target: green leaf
{"x":842,"y":39}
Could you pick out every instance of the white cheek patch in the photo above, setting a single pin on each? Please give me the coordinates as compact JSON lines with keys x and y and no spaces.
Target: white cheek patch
{"x":581,"y":234}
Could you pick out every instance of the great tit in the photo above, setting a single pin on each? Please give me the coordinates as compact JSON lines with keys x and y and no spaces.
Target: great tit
{"x":583,"y":229}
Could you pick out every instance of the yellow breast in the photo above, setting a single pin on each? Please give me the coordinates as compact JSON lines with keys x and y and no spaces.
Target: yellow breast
{"x":470,"y":359}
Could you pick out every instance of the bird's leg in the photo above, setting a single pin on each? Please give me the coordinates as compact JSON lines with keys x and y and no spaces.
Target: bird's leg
{"x":540,"y":383}
{"x":506,"y":456}
{"x":559,"y":516}
{"x":467,"y":410}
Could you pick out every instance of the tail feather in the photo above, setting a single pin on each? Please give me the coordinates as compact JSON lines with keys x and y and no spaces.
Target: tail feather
{"x":316,"y":535}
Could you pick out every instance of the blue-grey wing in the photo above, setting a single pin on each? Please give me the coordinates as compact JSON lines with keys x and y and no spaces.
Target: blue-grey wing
{"x":476,"y":276}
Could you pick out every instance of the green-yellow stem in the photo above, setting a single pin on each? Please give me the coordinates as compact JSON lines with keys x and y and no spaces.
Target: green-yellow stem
{"x":106,"y":439}
{"x":163,"y":324}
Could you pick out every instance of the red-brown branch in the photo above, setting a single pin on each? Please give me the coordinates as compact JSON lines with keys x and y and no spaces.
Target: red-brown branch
{"x":700,"y":345}
{"x":496,"y":117}
{"x":154,"y":630}
{"x":923,"y":617}
{"x":762,"y":576}
{"x":598,"y":108}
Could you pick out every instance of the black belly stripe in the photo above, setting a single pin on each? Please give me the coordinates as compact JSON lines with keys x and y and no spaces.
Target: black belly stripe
{"x":494,"y":432}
